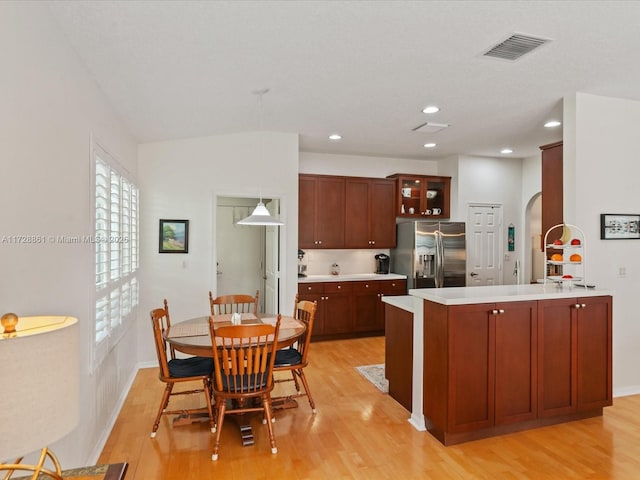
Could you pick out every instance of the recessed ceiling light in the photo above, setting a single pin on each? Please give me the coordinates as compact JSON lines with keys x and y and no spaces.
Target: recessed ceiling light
{"x":335,"y":136}
{"x":506,"y":150}
{"x":429,"y":145}
{"x":552,"y":123}
{"x":430,"y":109}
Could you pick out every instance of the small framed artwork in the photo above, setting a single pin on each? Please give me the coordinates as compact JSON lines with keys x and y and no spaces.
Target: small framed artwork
{"x":619,"y":226}
{"x":174,"y":236}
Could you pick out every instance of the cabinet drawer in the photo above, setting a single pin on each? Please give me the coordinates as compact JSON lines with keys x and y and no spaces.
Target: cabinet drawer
{"x":393,"y":287}
{"x":338,"y":287}
{"x":366,"y":287}
{"x":306,"y":288}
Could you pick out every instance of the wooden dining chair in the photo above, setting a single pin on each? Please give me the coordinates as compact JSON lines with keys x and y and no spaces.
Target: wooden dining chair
{"x":243,"y":357}
{"x":237,"y":303}
{"x":295,"y":358}
{"x":179,"y":370}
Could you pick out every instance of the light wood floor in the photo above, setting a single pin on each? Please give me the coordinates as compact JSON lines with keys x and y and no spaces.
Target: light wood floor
{"x":362,"y":433}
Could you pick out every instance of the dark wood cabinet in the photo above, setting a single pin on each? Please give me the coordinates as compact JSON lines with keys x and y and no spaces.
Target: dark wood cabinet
{"x":502,"y":367}
{"x":334,"y":314}
{"x":368,"y":305}
{"x":348,"y":309}
{"x":338,"y":308}
{"x":346,"y":212}
{"x":314,"y":292}
{"x":419,"y":196}
{"x":398,"y":354}
{"x":575,"y":358}
{"x":370,"y":213}
{"x":552,"y":189}
{"x":492,"y":380}
{"x":321,"y":211}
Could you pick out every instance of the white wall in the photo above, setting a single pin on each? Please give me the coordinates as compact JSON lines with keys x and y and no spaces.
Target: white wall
{"x":50,"y":109}
{"x":494,"y":180}
{"x":532,"y":260}
{"x":601,"y":176}
{"x":181,"y":179}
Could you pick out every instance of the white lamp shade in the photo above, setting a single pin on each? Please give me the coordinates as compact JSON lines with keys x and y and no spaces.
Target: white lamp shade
{"x":39,"y":380}
{"x":260,"y":216}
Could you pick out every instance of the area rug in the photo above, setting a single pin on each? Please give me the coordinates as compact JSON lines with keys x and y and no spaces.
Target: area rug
{"x":375,"y":374}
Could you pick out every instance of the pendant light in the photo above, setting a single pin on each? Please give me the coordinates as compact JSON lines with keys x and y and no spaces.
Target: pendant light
{"x":260,"y":215}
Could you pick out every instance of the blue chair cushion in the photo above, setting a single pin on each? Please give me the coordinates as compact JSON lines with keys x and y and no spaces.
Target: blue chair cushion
{"x":287,"y":356}
{"x":248,"y":382}
{"x":190,"y":367}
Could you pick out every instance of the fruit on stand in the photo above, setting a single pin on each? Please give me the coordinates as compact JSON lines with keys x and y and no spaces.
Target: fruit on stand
{"x":575,"y":241}
{"x":556,"y":257}
{"x":557,"y":242}
{"x":575,"y":258}
{"x":566,"y":234}
{"x":567,"y":276}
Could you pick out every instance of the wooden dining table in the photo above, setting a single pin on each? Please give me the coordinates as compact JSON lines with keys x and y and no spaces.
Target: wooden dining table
{"x":193,"y":338}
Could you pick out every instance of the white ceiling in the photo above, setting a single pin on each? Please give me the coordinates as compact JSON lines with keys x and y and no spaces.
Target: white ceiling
{"x":364,"y":69}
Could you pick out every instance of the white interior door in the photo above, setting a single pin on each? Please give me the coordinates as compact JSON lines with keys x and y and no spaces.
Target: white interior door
{"x":484,"y":244}
{"x":272,"y":264}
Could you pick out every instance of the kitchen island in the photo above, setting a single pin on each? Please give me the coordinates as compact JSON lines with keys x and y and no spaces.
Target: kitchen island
{"x":490,"y":360}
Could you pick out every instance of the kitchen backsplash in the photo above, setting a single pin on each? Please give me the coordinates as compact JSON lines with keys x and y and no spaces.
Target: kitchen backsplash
{"x":351,"y":261}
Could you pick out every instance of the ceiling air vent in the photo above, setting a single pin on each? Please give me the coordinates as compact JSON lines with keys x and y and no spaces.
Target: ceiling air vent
{"x":429,"y":127}
{"x":515,"y":46}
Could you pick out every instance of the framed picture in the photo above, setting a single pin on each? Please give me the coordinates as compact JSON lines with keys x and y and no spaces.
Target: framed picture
{"x":174,"y":236}
{"x":619,"y":226}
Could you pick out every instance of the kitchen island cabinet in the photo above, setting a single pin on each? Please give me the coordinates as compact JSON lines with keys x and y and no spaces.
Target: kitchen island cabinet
{"x":398,"y":348}
{"x":500,"y":359}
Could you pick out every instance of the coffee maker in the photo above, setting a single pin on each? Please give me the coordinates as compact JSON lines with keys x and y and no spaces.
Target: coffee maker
{"x":382,"y":263}
{"x":302,"y":267}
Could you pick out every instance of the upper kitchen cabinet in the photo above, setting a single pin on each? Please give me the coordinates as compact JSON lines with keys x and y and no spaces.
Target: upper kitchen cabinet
{"x":321,"y":211}
{"x":370,"y":213}
{"x":422,"y":196}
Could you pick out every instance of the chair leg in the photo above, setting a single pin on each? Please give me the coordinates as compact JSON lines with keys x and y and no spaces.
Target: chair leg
{"x":266,"y":402}
{"x":221,"y":409}
{"x":207,"y":393}
{"x":300,"y":373}
{"x":163,"y":405}
{"x":295,"y":381}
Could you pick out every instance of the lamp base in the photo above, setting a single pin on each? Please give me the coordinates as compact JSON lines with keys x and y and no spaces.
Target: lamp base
{"x":37,"y":470}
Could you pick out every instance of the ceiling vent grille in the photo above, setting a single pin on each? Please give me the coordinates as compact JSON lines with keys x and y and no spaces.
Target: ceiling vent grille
{"x":515,"y":46}
{"x":430,"y":127}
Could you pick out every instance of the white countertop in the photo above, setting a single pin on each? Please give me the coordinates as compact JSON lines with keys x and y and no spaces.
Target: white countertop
{"x":350,"y":277}
{"x":504,"y":293}
{"x":405,"y":302}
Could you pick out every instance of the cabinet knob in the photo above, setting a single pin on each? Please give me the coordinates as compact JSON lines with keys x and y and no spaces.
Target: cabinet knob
{"x":583,"y":305}
{"x":308,"y":288}
{"x":501,"y":311}
{"x":366,"y":286}
{"x":577,"y":305}
{"x":494,"y":312}
{"x":319,"y":242}
{"x":339,"y":287}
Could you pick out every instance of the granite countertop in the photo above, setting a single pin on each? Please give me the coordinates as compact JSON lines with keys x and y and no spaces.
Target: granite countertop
{"x":350,"y":277}
{"x":504,"y":293}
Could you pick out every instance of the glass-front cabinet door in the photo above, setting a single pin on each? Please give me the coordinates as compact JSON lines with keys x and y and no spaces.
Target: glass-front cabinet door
{"x":422,"y":196}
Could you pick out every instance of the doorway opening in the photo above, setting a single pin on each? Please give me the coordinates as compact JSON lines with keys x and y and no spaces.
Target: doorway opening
{"x":247,"y":256}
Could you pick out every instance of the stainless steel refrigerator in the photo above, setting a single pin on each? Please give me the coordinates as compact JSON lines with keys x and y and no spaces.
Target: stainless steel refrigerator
{"x":431,"y":254}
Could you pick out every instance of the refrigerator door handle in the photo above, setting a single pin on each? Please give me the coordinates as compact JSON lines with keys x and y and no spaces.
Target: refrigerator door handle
{"x":440,"y":260}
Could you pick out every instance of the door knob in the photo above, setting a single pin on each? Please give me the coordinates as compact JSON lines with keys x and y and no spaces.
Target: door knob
{"x":474,"y":274}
